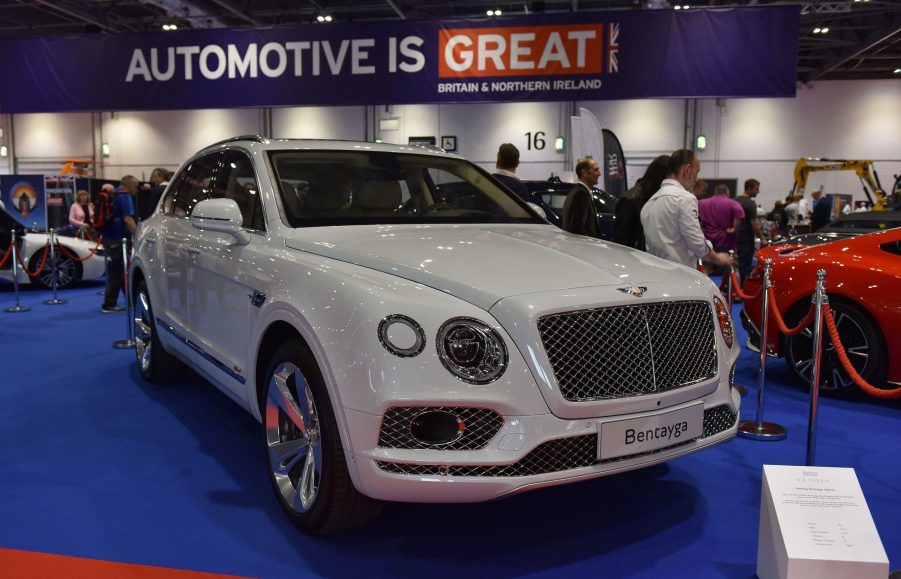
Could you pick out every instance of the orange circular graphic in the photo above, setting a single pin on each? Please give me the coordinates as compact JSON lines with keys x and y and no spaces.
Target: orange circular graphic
{"x":23,"y":198}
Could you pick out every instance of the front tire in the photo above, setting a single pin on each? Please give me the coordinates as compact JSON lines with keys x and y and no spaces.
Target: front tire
{"x":861,"y":339}
{"x":306,"y":461}
{"x":155,"y":364}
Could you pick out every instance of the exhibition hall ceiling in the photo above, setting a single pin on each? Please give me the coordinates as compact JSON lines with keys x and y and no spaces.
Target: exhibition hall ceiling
{"x":849,"y":39}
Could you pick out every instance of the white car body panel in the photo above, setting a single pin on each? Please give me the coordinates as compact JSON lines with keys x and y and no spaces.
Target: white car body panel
{"x":334,"y":285}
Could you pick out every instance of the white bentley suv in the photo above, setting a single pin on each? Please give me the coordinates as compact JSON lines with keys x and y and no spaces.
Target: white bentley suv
{"x":405,"y":329}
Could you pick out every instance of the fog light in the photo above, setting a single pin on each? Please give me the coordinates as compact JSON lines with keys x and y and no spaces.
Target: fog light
{"x":436,"y":427}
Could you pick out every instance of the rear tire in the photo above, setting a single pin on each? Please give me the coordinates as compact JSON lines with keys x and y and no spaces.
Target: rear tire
{"x":155,"y":364}
{"x":306,"y":461}
{"x":862,"y":341}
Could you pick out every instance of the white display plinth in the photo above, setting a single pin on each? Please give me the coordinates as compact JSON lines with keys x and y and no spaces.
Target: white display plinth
{"x":814,"y":523}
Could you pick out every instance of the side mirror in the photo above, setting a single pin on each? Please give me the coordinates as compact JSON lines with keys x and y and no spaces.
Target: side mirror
{"x":221,"y":215}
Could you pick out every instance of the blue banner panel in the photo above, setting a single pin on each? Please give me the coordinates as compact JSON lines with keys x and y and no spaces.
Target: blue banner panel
{"x":23,"y":196}
{"x":730,"y":52}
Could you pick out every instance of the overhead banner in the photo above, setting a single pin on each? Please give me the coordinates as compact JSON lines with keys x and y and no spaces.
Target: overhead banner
{"x":730,"y":52}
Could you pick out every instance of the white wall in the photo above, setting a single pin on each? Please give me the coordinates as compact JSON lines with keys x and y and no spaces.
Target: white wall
{"x":760,"y":138}
{"x":319,"y":123}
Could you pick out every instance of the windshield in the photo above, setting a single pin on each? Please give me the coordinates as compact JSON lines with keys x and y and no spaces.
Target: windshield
{"x":366,"y":187}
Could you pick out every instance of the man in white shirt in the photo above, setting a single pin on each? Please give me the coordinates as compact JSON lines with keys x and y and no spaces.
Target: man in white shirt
{"x":670,"y":217}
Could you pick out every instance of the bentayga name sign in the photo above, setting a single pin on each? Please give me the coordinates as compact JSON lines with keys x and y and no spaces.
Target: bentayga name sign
{"x":736,"y":52}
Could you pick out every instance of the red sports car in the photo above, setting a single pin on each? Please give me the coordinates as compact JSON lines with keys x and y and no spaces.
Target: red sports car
{"x":863,"y":282}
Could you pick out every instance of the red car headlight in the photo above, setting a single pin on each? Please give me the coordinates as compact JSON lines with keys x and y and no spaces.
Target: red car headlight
{"x":724,"y":319}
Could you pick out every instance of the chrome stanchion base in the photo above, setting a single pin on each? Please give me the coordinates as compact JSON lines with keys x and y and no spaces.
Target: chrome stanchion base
{"x":763,"y":431}
{"x":54,"y":301}
{"x":17,"y":309}
{"x":124,"y":344}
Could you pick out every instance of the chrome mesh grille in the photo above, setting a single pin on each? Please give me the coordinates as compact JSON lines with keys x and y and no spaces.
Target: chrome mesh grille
{"x":557,"y":455}
{"x":630,"y":350}
{"x":481,"y":426}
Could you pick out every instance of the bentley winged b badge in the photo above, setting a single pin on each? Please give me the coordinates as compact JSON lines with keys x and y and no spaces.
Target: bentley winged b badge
{"x":636,"y":291}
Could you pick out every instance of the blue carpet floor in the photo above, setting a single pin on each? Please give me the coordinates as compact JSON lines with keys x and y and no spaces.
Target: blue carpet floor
{"x":96,"y":463}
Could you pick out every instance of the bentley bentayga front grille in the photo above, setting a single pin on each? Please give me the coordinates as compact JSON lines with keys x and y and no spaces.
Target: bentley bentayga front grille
{"x":623,"y":351}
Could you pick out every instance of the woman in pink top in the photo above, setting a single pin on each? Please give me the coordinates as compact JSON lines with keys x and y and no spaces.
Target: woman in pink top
{"x":81,"y":214}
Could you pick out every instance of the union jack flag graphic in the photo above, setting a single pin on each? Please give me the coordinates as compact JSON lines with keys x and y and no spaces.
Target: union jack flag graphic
{"x":613,"y":48}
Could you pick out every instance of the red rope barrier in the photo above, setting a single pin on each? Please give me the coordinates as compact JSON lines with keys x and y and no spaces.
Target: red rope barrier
{"x":780,"y":322}
{"x":74,"y":257}
{"x":9,"y":250}
{"x":40,"y":268}
{"x":736,"y":289}
{"x":887,"y":394}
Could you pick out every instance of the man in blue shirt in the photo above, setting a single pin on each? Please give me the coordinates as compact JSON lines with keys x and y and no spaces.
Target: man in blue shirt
{"x":121,"y":226}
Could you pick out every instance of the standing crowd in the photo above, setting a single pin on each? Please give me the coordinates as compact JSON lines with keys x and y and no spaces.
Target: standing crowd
{"x":115,"y":215}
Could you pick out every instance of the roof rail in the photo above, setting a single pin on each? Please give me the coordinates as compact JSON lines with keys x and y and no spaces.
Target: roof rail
{"x":255,"y":138}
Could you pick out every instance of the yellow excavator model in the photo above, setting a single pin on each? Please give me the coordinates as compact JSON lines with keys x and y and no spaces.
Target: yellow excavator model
{"x":864,"y":169}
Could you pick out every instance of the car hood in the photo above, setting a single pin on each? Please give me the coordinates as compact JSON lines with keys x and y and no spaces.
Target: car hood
{"x":485,"y":263}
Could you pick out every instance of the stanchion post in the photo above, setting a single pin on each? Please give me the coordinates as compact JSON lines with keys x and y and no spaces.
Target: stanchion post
{"x":15,"y":257}
{"x":53,"y":271}
{"x":819,"y":299}
{"x":129,"y":321}
{"x":758,"y":429}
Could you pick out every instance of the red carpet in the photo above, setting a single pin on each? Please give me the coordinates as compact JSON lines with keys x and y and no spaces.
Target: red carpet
{"x":28,"y":565}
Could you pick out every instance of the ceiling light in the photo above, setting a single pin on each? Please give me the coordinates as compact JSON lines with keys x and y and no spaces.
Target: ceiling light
{"x":685,"y":7}
{"x":898,"y":71}
{"x":490,"y":13}
{"x":817,"y":30}
{"x":4,"y":150}
{"x":825,"y":30}
{"x":677,"y":7}
{"x":323,"y":18}
{"x":497,"y":12}
{"x":170,"y":27}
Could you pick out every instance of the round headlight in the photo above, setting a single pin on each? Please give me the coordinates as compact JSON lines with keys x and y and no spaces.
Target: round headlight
{"x":471,"y":350}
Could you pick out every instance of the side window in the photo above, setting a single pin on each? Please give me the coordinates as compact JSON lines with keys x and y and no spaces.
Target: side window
{"x":191,"y":186}
{"x":236,"y":180}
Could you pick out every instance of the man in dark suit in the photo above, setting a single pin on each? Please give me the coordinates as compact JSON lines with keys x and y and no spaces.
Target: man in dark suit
{"x":579,"y":215}
{"x":150,"y":197}
{"x":822,"y":210}
{"x":505,"y":172}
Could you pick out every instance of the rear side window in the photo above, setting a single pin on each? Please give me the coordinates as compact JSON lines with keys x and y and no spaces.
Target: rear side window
{"x":191,"y":186}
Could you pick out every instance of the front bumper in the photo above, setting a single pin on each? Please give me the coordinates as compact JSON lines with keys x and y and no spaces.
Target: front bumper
{"x":528,"y":452}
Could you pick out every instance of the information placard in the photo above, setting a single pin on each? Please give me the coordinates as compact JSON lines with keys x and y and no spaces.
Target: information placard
{"x":814,"y":522}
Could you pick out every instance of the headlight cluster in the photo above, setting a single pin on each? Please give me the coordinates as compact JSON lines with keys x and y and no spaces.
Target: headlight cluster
{"x":725,"y":321}
{"x":471,"y":350}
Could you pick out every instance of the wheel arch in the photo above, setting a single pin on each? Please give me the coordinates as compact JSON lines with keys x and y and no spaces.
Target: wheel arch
{"x":279,"y":331}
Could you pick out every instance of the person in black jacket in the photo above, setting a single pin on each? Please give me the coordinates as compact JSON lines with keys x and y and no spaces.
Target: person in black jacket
{"x":579,"y":215}
{"x":627,"y":230}
{"x":149,"y":198}
{"x":822,"y":210}
{"x":505,"y":172}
